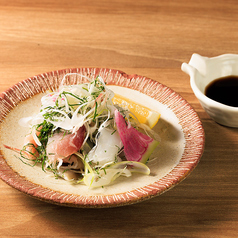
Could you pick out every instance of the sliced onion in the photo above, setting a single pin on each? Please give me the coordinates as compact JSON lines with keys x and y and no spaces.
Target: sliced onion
{"x":103,"y":178}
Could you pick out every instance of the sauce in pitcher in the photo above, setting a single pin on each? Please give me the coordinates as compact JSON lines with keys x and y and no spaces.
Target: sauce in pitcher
{"x":224,"y":90}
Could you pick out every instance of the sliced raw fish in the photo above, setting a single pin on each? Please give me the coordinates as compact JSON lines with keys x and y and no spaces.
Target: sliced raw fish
{"x":63,"y":144}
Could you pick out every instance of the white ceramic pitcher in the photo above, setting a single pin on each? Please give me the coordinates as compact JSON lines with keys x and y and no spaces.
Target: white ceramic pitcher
{"x":203,"y":70}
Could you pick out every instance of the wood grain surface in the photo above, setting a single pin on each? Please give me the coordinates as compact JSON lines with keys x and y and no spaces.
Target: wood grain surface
{"x":145,"y":37}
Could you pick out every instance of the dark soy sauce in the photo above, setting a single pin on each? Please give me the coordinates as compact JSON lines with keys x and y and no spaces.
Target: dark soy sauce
{"x":224,"y":90}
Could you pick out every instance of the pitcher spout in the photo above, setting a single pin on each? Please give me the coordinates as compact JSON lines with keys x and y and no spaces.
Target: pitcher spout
{"x":197,"y":62}
{"x":188,"y":69}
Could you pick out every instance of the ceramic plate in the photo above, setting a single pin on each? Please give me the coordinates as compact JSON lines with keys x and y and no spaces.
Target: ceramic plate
{"x":181,"y":132}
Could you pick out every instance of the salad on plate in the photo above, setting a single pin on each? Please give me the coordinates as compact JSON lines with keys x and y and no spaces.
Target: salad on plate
{"x":80,"y":135}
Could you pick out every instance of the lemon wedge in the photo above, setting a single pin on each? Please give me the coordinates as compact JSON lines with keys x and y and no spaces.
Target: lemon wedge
{"x":142,"y":113}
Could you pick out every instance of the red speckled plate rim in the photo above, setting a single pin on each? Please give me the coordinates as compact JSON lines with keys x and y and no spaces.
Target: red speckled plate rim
{"x":188,"y":119}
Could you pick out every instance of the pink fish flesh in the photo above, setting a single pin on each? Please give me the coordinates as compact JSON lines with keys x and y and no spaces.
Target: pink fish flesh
{"x":63,"y":145}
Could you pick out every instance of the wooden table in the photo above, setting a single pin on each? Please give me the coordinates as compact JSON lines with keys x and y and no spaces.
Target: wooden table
{"x":145,"y":37}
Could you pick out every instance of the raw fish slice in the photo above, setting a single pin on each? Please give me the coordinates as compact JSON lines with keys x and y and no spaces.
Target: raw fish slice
{"x":63,"y":144}
{"x":137,"y":146}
